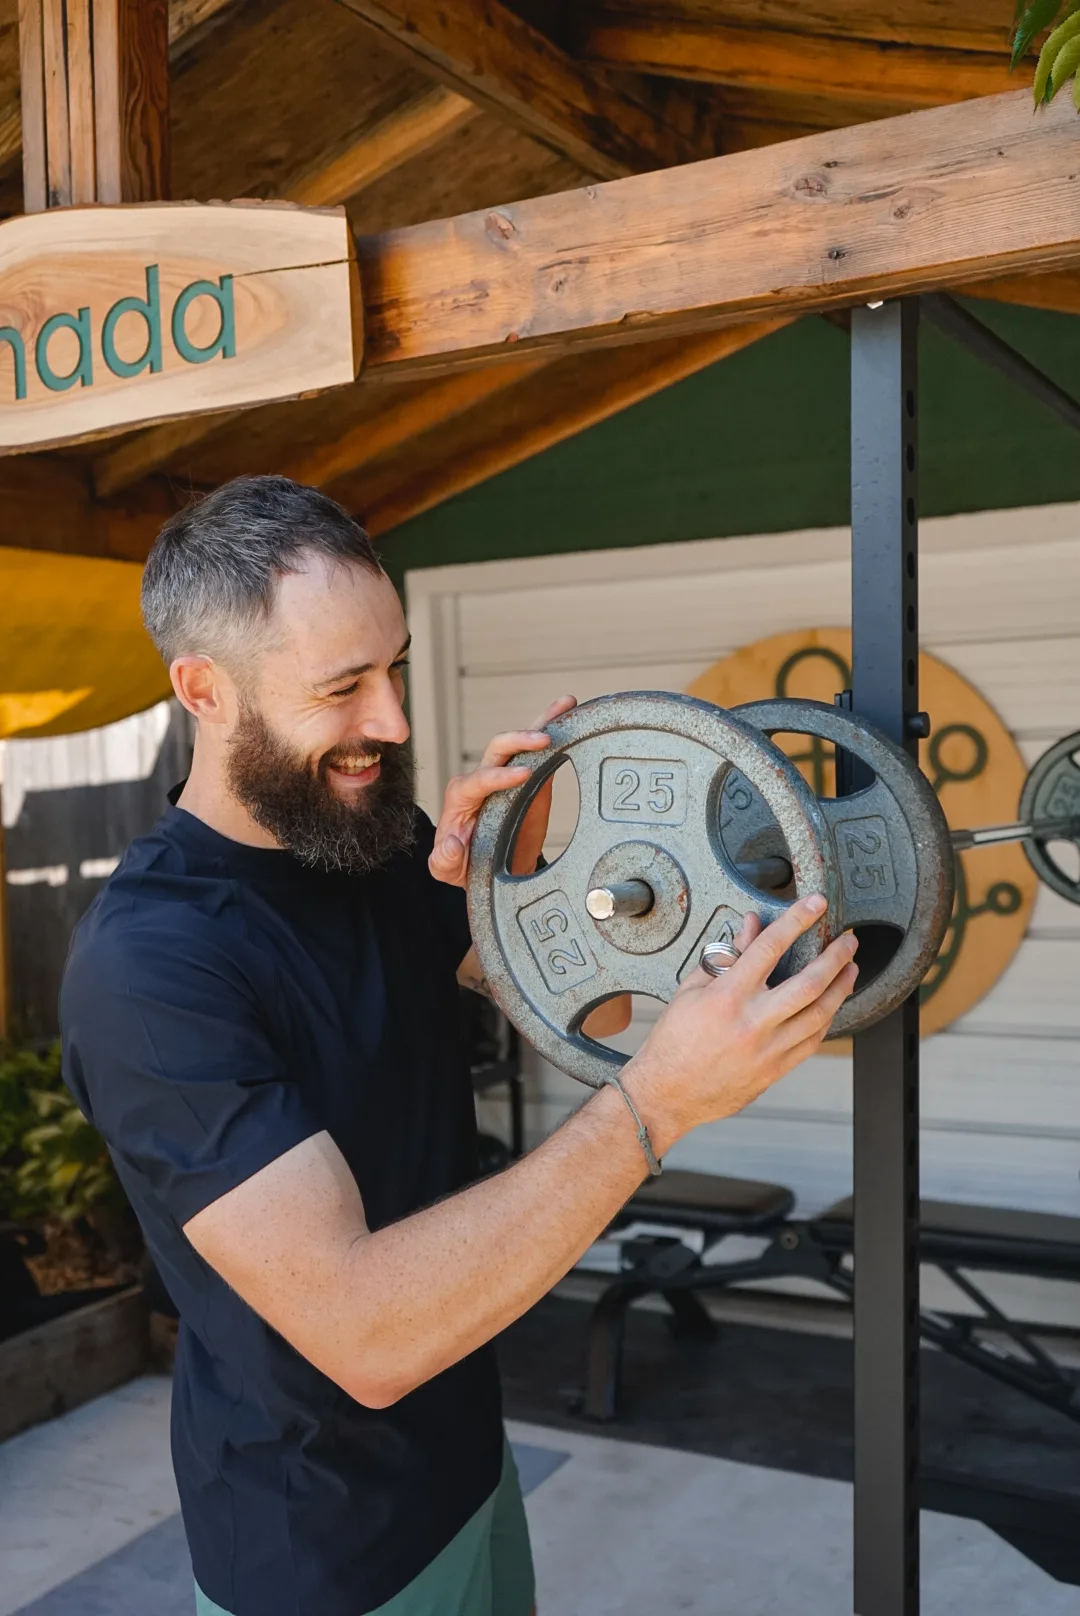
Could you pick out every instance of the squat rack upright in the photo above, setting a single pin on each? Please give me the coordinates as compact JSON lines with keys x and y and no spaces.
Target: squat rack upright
{"x":885,"y":691}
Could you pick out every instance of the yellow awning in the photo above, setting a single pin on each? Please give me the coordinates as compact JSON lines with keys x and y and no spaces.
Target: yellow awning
{"x":73,"y":651}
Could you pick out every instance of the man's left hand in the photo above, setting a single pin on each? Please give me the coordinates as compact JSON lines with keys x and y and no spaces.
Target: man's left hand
{"x":466,"y":795}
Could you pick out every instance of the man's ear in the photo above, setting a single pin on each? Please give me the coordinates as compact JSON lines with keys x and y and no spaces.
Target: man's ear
{"x":203,"y":687}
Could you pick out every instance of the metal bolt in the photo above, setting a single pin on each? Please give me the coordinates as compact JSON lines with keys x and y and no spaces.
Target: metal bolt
{"x":620,"y":898}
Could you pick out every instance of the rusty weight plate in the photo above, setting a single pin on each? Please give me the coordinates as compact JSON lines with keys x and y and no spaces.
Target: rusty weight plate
{"x":1052,"y":792}
{"x":891,"y":849}
{"x":651,"y":768}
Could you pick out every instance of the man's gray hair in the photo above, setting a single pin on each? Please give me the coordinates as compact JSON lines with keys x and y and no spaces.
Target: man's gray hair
{"x":210,"y":581}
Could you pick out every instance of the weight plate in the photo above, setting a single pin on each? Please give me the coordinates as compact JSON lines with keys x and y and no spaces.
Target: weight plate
{"x":892,"y":847}
{"x":651,"y":768}
{"x":1052,"y":791}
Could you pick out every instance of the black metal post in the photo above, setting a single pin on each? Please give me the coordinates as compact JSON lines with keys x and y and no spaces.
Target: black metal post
{"x":885,"y":678}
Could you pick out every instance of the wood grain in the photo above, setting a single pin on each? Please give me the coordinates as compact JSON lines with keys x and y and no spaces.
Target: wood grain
{"x":404,"y":420}
{"x":72,"y":1359}
{"x":566,"y":398}
{"x":897,"y":77}
{"x":293,"y":286}
{"x":410,"y":130}
{"x":486,"y":52}
{"x":939,"y":198}
{"x":966,"y":25}
{"x":32,"y":74}
{"x":143,"y":107}
{"x":57,"y":128}
{"x":48,"y":505}
{"x":80,"y":67}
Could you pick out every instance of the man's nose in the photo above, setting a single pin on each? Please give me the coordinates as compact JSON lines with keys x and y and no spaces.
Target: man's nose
{"x":385,"y":720}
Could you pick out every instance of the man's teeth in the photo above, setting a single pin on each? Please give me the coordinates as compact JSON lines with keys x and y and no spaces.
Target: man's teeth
{"x":357,"y":765}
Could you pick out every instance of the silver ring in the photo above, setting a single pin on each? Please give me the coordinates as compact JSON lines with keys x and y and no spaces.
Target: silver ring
{"x":712,"y":953}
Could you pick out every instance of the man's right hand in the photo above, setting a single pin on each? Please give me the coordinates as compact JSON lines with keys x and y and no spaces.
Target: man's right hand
{"x":724,"y":1040}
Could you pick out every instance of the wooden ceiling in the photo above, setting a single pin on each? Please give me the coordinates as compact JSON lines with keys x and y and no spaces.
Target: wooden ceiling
{"x":409,"y":110}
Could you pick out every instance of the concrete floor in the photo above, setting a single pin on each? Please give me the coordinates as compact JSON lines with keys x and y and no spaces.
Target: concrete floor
{"x":89,"y":1527}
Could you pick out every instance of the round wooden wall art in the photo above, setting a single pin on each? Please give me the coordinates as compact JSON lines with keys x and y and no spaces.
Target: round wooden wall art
{"x":975,"y":767}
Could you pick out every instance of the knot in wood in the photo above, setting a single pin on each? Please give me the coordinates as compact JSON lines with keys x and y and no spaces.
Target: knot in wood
{"x":499,"y":227}
{"x":811,"y":185}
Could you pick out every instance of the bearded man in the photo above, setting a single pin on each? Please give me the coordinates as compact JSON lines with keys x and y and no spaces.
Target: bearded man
{"x":260,"y":1015}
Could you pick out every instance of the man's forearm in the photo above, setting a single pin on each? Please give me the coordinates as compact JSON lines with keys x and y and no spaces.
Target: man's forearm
{"x":432,"y":1288}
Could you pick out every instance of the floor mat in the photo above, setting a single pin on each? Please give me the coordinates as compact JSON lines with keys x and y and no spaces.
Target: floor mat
{"x":777,"y":1398}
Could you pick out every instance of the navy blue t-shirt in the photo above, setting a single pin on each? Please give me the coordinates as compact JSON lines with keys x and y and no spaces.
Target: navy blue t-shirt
{"x":222,"y":1003}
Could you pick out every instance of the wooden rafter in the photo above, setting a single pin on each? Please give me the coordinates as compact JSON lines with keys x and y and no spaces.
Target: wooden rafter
{"x":961,"y":25}
{"x":485,"y":51}
{"x":414,"y":128}
{"x":940,"y":198}
{"x":48,"y":505}
{"x":537,"y":412}
{"x":884,"y":74}
{"x":189,"y":21}
{"x":400,"y":421}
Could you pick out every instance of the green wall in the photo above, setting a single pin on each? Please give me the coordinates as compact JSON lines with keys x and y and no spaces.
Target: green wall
{"x":758,"y":443}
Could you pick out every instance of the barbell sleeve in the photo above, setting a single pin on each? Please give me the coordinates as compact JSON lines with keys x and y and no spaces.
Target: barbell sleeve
{"x":620,"y":898}
{"x":999,"y":835}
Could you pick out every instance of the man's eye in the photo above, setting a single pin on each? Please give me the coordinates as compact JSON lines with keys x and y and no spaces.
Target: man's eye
{"x":399,"y":667}
{"x":348,"y":691}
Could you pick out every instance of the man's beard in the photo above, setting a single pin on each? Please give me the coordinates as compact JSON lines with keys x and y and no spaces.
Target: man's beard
{"x":300,"y":809}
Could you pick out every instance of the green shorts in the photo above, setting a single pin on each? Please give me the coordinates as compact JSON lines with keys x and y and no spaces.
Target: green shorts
{"x":486,"y":1570}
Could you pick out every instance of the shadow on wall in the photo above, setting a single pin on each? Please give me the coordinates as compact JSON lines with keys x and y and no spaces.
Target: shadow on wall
{"x":71,"y":806}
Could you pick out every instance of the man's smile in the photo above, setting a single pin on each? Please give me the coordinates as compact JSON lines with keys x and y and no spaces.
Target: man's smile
{"x":357,"y":771}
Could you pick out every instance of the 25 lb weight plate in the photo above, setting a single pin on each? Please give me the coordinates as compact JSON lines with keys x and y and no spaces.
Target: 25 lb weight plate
{"x":1052,"y":792}
{"x":651,"y":770}
{"x":891,"y":848}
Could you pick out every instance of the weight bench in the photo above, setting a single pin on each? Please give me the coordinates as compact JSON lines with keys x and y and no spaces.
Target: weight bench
{"x":958,"y":1239}
{"x":677,"y":1200}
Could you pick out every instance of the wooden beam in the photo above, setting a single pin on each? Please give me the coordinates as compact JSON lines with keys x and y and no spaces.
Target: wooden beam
{"x":486,"y":52}
{"x":569,"y":396}
{"x":968,"y":25}
{"x":1057,"y":292}
{"x":48,"y":505}
{"x":32,"y":85}
{"x":188,"y":22}
{"x":935,"y":199}
{"x":131,"y":99}
{"x":408,"y":132}
{"x":95,"y":93}
{"x":402,"y":420}
{"x":892,"y":76}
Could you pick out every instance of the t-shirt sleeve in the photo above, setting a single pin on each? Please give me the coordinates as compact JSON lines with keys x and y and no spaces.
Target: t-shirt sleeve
{"x":170,"y":1053}
{"x":451,"y":909}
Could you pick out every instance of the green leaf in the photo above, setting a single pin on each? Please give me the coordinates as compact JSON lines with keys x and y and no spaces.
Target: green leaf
{"x":1038,"y":15}
{"x":1066,"y":63}
{"x":1046,"y":79}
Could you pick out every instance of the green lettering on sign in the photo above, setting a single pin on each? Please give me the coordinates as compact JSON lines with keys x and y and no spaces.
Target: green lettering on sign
{"x":84,"y":370}
{"x":225,"y":341}
{"x":9,"y":335}
{"x":149,"y":309}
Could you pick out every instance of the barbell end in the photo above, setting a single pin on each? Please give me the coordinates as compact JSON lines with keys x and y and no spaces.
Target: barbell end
{"x":1002,"y":835}
{"x":620,"y":898}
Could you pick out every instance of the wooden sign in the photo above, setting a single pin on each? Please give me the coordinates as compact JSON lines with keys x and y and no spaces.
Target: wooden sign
{"x":118,"y":316}
{"x":975,"y":767}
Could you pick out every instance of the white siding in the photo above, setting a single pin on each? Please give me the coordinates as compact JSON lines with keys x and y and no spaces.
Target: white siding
{"x":1000,"y":602}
